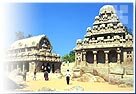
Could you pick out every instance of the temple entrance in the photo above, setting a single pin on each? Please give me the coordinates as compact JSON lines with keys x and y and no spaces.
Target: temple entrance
{"x":113,"y":56}
{"x":27,"y":66}
{"x":100,"y":56}
{"x":43,"y":67}
{"x":53,"y":69}
{"x":48,"y":67}
{"x":90,"y":57}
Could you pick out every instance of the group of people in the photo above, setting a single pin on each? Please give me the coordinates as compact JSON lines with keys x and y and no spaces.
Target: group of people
{"x":46,"y":77}
{"x":34,"y":77}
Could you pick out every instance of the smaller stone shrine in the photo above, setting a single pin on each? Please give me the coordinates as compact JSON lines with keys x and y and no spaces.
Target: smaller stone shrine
{"x":32,"y":53}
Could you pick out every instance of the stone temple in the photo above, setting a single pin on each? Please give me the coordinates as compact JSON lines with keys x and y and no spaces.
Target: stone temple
{"x":32,"y":53}
{"x":107,"y":47}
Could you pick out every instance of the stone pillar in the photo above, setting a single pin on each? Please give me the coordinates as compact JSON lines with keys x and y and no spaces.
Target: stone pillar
{"x":79,"y":56}
{"x":125,"y":57}
{"x":32,"y":66}
{"x":17,"y":66}
{"x":118,"y":56}
{"x":95,"y":59}
{"x":106,"y":57}
{"x":23,"y":66}
{"x":76,"y":59}
{"x":84,"y":58}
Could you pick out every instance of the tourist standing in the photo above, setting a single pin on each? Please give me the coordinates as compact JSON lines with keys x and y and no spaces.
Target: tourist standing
{"x":68,"y":77}
{"x":34,"y":78}
{"x":46,"y":75}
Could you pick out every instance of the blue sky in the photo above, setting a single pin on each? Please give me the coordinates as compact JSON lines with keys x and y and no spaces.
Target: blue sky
{"x":63,"y":23}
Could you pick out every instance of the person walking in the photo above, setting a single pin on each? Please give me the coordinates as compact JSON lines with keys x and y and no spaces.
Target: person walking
{"x":68,"y":77}
{"x":46,"y":75}
{"x":34,"y":78}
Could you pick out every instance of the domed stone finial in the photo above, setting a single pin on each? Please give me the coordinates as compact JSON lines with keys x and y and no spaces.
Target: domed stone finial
{"x":88,"y":29}
{"x":79,"y":41}
{"x":96,"y":17}
{"x":107,"y":9}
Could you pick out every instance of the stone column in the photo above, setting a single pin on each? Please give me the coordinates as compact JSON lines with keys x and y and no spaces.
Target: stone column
{"x":84,"y":57}
{"x":118,"y":56}
{"x":32,"y":66}
{"x":125,"y":57}
{"x":17,"y":66}
{"x":95,"y":59}
{"x":106,"y":57}
{"x":23,"y":66}
{"x":78,"y":58}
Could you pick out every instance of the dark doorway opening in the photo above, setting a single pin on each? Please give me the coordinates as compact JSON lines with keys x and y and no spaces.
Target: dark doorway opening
{"x":53,"y":70}
{"x":48,"y":68}
{"x":113,"y":56}
{"x":90,"y":57}
{"x":101,"y":57}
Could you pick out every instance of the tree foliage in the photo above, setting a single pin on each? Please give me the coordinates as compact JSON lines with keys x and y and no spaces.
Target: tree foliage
{"x":20,"y":35}
{"x":29,"y":35}
{"x":69,"y":57}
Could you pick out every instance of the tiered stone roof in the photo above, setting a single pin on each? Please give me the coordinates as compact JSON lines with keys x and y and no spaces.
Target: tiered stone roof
{"x":29,"y":42}
{"x":37,"y":48}
{"x":107,"y":31}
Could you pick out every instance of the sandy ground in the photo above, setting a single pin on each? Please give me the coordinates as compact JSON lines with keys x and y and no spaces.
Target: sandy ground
{"x":60,"y":84}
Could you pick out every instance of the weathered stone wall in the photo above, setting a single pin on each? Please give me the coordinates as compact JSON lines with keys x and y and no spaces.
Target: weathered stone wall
{"x":99,"y":70}
{"x":112,"y":73}
{"x":121,"y":75}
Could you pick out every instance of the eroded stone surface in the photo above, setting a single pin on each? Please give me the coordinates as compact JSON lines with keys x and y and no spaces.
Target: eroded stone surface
{"x":106,"y":49}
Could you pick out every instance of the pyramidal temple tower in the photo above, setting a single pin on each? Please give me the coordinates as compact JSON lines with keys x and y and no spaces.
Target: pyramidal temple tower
{"x":106,"y":45}
{"x":107,"y":41}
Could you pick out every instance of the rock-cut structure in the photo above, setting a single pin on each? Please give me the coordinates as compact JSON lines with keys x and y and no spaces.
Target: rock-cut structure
{"x":32,"y":53}
{"x":107,"y":47}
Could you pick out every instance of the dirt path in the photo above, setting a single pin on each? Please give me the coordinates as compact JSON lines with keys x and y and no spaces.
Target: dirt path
{"x":60,"y":85}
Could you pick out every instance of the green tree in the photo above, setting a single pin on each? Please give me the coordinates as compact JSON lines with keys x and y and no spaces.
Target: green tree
{"x":19,"y":35}
{"x":72,"y":56}
{"x":65,"y":58}
{"x":69,"y":57}
{"x":29,"y":35}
